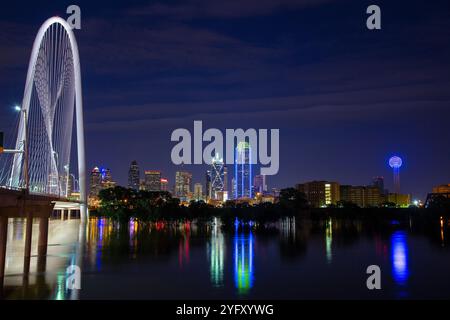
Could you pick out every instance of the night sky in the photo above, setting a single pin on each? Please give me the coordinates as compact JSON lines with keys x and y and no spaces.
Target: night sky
{"x":344,"y":98}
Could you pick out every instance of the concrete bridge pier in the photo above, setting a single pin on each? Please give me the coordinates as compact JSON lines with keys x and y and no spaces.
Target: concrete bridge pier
{"x":3,"y":239}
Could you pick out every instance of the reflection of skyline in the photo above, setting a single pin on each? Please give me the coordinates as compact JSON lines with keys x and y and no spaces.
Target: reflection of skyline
{"x":184,"y":244}
{"x":243,"y":262}
{"x":329,"y":240}
{"x":399,"y":257}
{"x":108,"y":244}
{"x":216,"y":248}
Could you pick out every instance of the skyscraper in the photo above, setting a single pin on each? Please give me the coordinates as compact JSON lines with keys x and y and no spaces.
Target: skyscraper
{"x":208,"y":184}
{"x":133,"y":176}
{"x":164,"y":184}
{"x":259,"y":183}
{"x":218,"y":176}
{"x":106,"y":179}
{"x":152,"y":180}
{"x":198,"y":192}
{"x":96,"y":182}
{"x":100,"y":179}
{"x":243,"y":171}
{"x":182,"y":184}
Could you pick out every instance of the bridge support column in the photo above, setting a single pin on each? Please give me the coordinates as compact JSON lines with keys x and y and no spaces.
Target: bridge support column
{"x":62,"y":214}
{"x":69,"y":214}
{"x":3,"y":238}
{"x":28,"y":237}
{"x":42,"y":244}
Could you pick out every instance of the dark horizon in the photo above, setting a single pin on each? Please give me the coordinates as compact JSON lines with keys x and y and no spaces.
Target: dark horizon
{"x":344,"y":98}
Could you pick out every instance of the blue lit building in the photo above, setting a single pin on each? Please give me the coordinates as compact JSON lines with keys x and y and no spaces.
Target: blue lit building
{"x":243,"y":175}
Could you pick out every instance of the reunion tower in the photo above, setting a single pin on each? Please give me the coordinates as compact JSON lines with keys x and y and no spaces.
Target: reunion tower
{"x":395,"y":163}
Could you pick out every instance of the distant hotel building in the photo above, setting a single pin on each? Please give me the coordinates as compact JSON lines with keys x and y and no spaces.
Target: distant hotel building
{"x":182,"y":184}
{"x":152,"y":180}
{"x":320,"y":193}
{"x":133,"y":176}
{"x":243,"y":174}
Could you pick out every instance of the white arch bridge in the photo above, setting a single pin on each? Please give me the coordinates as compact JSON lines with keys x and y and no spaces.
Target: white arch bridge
{"x":41,"y":159}
{"x":36,"y":174}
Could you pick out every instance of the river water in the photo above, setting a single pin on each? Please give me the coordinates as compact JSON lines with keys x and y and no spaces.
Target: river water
{"x":289,"y":259}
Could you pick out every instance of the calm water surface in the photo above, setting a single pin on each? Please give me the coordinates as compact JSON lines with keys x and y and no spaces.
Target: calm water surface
{"x":286,"y":260}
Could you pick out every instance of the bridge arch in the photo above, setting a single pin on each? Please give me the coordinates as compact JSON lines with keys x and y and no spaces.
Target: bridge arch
{"x":52,"y":95}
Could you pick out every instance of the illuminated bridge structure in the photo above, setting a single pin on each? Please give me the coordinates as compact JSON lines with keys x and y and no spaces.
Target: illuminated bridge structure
{"x":36,"y":177}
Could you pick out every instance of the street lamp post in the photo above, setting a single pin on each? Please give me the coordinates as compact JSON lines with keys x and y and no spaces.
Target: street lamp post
{"x":25,"y":148}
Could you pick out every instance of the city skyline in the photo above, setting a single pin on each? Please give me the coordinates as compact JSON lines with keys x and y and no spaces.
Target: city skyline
{"x":341,"y":115}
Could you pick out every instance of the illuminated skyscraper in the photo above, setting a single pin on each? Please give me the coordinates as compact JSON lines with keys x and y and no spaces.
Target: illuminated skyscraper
{"x":208,"y":184}
{"x":106,"y":179}
{"x":133,"y":176}
{"x":182,"y":184}
{"x":100,"y":179}
{"x":218,"y":176}
{"x":243,"y":171}
{"x":198,"y":192}
{"x":96,"y":182}
{"x":152,"y":180}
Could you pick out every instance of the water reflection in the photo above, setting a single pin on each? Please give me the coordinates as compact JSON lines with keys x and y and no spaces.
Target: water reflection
{"x":168,"y":257}
{"x":184,"y":244}
{"x":243,"y":261}
{"x":216,"y":249}
{"x":329,"y":240}
{"x":400,"y":268}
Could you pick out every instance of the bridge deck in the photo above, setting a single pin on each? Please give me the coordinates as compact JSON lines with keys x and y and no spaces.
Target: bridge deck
{"x":17,"y":203}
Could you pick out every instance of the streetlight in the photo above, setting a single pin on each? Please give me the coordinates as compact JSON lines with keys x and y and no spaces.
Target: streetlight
{"x":25,"y":146}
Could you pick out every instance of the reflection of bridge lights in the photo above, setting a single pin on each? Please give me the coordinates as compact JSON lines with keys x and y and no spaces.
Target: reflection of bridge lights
{"x":400,"y":269}
{"x":243,"y":262}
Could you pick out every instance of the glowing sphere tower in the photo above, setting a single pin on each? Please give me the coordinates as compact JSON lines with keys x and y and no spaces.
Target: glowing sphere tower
{"x":395,"y":163}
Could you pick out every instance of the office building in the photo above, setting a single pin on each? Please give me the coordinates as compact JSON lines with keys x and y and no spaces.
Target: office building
{"x":243,"y":171}
{"x":320,"y":193}
{"x":198,"y":192}
{"x":134,"y":176}
{"x":259,"y":184}
{"x":183,"y":184}
{"x":164,"y":184}
{"x":218,"y":177}
{"x":362,"y":196}
{"x":152,"y":180}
